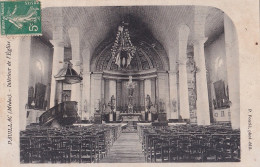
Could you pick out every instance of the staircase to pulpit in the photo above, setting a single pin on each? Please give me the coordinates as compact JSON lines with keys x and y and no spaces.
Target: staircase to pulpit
{"x":65,"y":113}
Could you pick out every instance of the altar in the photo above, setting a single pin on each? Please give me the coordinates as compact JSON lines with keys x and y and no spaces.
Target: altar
{"x":130,"y":117}
{"x":132,"y":107}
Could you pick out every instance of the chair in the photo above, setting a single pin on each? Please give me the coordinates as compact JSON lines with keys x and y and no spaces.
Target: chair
{"x":60,"y":150}
{"x":157,"y":153}
{"x":212,"y":155}
{"x":183,"y":150}
{"x":25,"y":144}
{"x":196,"y":152}
{"x":150,"y":147}
{"x":75,"y":149}
{"x":86,"y":150}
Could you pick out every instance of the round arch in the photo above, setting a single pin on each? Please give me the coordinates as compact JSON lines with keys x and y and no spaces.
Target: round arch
{"x":150,"y":54}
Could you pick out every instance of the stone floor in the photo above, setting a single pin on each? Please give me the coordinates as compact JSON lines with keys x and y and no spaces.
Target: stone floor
{"x":126,"y":149}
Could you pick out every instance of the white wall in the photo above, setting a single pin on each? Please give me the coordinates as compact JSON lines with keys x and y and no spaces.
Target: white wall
{"x":215,"y":54}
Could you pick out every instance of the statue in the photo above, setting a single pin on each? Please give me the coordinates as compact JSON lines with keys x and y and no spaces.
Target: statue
{"x":191,"y":65}
{"x":215,"y":104}
{"x":108,"y":108}
{"x":174,"y":104}
{"x":131,"y":91}
{"x":97,"y":106}
{"x":148,"y":103}
{"x":161,"y":106}
{"x":130,"y":108}
{"x":130,"y":85}
{"x":113,"y":103}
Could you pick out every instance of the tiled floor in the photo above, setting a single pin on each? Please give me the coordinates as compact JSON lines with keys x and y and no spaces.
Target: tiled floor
{"x":126,"y":149}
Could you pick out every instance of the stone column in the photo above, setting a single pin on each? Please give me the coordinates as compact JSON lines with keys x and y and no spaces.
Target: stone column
{"x":24,"y":62}
{"x":103,"y":89}
{"x":147,"y":90}
{"x":163,"y":90}
{"x":76,"y":91}
{"x":203,"y":116}
{"x":118,"y":95}
{"x":183,"y":84}
{"x":173,"y":78}
{"x":112,"y":89}
{"x":57,"y":65}
{"x":86,"y":94}
{"x":95,"y":95}
{"x":153,"y":87}
{"x":86,"y":83}
{"x":142,"y":94}
{"x":174,"y":114}
{"x":58,"y":56}
{"x":118,"y":92}
{"x":232,"y":58}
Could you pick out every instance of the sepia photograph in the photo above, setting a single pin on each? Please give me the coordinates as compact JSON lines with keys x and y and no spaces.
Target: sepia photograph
{"x":139,"y":83}
{"x":133,"y":84}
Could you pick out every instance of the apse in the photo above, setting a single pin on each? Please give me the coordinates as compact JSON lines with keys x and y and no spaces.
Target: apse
{"x":150,"y":53}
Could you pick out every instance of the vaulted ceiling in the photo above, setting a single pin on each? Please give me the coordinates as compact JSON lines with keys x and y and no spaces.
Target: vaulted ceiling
{"x":98,"y":23}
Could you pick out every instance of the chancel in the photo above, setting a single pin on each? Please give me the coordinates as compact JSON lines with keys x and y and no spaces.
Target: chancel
{"x":130,"y":84}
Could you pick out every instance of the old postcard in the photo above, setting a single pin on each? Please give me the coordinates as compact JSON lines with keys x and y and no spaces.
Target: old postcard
{"x":136,"y":83}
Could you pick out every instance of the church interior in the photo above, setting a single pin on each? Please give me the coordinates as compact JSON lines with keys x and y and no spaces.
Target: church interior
{"x":126,"y":84}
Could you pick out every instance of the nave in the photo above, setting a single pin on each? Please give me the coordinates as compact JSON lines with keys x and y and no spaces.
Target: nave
{"x":190,"y":143}
{"x":71,"y":144}
{"x":110,"y":144}
{"x":127,"y":149}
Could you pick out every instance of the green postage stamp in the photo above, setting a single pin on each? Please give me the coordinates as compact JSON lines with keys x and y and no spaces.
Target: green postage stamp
{"x":20,"y":18}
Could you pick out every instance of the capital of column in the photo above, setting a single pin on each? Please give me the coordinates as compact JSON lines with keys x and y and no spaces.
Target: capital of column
{"x":86,"y":72}
{"x":197,"y":41}
{"x":182,"y":61}
{"x":86,"y":51}
{"x":184,"y":31}
{"x":76,"y":62}
{"x":161,"y":74}
{"x":97,"y":75}
{"x":200,"y":12}
{"x":57,"y":43}
{"x":174,"y":69}
{"x":173,"y":72}
{"x":112,"y":80}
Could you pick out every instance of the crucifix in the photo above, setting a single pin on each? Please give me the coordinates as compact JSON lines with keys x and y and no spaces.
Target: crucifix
{"x":130,"y":85}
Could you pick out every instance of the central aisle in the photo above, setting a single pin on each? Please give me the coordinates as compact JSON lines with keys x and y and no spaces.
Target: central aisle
{"x":126,"y":149}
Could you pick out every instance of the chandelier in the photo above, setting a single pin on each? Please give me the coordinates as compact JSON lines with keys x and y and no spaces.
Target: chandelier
{"x":123,"y":50}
